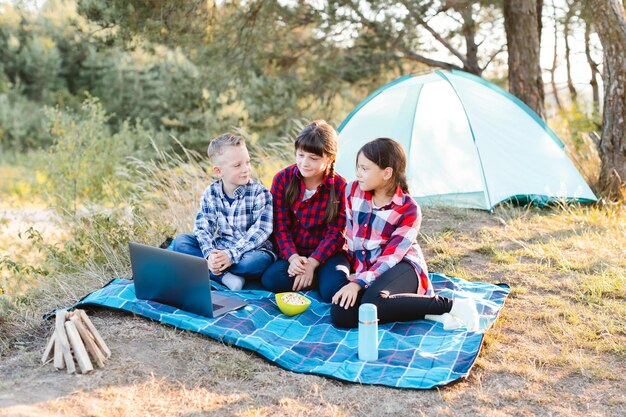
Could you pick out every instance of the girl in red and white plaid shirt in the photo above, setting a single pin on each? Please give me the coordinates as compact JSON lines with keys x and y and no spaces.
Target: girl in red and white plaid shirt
{"x":383,"y":221}
{"x":309,"y":217}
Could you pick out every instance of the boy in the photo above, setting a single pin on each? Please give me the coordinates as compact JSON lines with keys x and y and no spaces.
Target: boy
{"x":235,"y":219}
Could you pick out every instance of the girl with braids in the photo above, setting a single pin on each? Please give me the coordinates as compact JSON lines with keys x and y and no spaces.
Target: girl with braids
{"x":309,"y":217}
{"x":381,"y":241}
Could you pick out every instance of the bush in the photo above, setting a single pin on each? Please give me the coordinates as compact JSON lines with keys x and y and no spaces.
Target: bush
{"x":84,"y":159}
{"x":574,"y":128}
{"x":22,"y":122}
{"x":580,"y":124}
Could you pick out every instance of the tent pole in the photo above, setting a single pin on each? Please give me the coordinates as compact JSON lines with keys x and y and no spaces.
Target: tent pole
{"x":469,"y":123}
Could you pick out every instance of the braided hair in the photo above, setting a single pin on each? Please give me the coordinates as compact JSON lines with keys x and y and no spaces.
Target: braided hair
{"x":319,"y":138}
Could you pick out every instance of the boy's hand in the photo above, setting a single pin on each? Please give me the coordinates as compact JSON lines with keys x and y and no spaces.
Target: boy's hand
{"x":213,"y":264}
{"x":297,"y":265}
{"x":347,"y":295}
{"x":213,"y":270}
{"x":304,"y":281}
{"x":218,"y":261}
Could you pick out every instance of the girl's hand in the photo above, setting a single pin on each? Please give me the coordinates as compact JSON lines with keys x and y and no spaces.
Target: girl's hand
{"x":347,"y":295}
{"x":305,"y":280}
{"x":297,"y":265}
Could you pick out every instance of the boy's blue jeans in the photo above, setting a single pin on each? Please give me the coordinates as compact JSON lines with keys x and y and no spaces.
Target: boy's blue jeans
{"x":251,"y":265}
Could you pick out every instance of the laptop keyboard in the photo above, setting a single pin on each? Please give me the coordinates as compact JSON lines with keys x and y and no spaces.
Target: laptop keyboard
{"x":217,"y":306}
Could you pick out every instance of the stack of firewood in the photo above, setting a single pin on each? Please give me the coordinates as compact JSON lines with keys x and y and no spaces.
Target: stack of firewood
{"x":75,"y":339}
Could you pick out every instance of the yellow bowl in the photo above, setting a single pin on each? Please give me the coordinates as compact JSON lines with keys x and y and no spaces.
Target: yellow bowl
{"x":292,"y":309}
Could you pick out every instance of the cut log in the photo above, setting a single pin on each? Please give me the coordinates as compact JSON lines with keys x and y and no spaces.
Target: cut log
{"x":79,"y":348}
{"x":63,"y":344}
{"x":89,"y":341}
{"x":48,"y":353}
{"x":99,"y":341}
{"x":59,"y":362}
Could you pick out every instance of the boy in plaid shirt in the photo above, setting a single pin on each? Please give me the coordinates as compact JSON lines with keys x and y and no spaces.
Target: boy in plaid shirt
{"x":235,"y":219}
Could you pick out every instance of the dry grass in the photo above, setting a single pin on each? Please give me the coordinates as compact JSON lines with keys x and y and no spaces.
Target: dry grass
{"x":558,"y":348}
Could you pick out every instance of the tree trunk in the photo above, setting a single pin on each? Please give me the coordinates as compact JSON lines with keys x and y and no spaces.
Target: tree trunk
{"x":522,"y":36}
{"x":555,"y":91}
{"x":469,"y":33}
{"x":594,"y":69}
{"x":568,"y":50}
{"x":539,"y":21}
{"x":610,"y":24}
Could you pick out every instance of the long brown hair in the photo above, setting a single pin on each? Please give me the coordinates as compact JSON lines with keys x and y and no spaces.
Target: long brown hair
{"x":387,"y":153}
{"x":318,"y":138}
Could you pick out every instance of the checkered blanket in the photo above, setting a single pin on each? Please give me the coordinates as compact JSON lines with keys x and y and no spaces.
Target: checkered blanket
{"x":417,"y":354}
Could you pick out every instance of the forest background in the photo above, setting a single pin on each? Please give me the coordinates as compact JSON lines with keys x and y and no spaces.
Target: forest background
{"x":106,"y":109}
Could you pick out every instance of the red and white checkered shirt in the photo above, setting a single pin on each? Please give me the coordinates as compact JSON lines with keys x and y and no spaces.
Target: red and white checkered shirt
{"x":377,"y":239}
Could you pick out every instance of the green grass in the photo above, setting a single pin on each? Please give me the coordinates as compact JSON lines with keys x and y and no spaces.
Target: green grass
{"x":568,"y":276}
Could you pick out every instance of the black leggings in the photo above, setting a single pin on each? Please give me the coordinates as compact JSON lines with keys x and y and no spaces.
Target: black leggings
{"x":395,"y":295}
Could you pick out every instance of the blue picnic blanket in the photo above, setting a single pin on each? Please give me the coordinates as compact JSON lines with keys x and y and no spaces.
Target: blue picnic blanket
{"x":417,"y":354}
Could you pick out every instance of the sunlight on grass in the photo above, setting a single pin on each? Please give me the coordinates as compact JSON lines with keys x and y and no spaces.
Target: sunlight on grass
{"x":566,"y":311}
{"x":609,"y":285}
{"x":503,"y":257}
{"x":152,"y":396}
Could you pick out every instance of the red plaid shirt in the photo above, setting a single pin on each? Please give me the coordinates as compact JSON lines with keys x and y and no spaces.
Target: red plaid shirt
{"x":301,"y":229}
{"x":377,"y":239}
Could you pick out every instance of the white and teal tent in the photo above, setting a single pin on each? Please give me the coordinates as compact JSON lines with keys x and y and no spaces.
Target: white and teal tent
{"x":469,"y":143}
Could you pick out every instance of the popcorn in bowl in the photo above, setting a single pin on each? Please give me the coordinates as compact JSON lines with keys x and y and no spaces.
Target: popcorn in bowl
{"x":294,"y":299}
{"x":291,"y":303}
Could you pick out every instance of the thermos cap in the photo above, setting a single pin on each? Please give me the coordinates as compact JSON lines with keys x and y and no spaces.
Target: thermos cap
{"x":368,"y":313}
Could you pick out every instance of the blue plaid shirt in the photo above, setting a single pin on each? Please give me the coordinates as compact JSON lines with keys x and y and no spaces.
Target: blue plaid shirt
{"x":237,"y":227}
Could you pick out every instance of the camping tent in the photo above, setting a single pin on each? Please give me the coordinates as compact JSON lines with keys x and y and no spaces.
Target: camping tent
{"x":468,"y":142}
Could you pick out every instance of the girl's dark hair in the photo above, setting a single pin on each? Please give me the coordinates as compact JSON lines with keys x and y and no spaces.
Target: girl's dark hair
{"x":319,"y":138}
{"x":387,"y":153}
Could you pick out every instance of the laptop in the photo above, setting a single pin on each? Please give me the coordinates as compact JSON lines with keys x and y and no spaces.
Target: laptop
{"x":177,"y":280}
